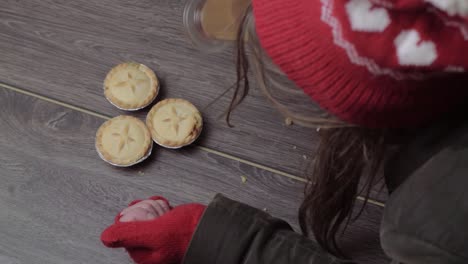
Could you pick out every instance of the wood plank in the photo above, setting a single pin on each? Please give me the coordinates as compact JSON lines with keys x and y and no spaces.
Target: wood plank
{"x":57,"y":196}
{"x":73,"y":41}
{"x":64,"y":49}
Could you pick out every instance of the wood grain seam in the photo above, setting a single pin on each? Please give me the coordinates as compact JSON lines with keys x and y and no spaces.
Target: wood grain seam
{"x":206,"y":149}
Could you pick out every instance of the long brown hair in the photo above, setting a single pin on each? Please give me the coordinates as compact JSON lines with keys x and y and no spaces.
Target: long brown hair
{"x":346,"y":163}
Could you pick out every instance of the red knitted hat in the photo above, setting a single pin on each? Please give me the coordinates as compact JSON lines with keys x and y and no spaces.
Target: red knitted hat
{"x":376,"y":63}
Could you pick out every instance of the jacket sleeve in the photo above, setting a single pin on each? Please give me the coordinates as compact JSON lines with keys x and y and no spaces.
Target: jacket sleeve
{"x":425,"y":219}
{"x":232,"y":233}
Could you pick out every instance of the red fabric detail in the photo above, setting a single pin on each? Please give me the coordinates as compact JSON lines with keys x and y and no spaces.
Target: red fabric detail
{"x":163,"y":240}
{"x":302,"y":45}
{"x":381,"y":48}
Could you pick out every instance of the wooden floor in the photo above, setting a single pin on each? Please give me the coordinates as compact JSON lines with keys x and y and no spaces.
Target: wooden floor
{"x":56,"y":194}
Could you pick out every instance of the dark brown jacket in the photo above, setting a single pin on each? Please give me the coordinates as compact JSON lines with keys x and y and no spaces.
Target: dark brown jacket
{"x":425,"y":219}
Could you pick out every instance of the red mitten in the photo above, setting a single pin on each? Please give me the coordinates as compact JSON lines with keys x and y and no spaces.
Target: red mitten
{"x":163,"y":240}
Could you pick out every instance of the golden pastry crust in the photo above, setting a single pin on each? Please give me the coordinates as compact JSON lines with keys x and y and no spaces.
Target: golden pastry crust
{"x":123,"y":140}
{"x":131,"y":86}
{"x":174,"y":123}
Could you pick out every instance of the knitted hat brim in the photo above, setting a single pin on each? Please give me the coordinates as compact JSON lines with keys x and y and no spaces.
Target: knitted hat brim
{"x":296,"y":38}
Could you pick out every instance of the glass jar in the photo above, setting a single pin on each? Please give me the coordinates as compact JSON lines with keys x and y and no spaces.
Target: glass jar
{"x":212,"y":25}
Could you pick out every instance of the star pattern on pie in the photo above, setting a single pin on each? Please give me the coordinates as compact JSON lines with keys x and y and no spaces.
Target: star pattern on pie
{"x":175,"y":119}
{"x":123,"y":140}
{"x":131,"y":82}
{"x":131,"y":86}
{"x":174,"y":123}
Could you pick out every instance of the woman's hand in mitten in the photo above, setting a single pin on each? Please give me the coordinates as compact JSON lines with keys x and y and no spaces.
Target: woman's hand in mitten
{"x":153,"y":232}
{"x":144,"y":210}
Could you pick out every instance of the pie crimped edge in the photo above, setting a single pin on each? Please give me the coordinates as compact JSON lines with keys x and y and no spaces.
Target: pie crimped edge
{"x":139,"y":156}
{"x":174,"y":143}
{"x":154,"y":87}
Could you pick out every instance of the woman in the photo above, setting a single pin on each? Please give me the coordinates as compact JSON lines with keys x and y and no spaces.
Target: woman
{"x":385,"y":67}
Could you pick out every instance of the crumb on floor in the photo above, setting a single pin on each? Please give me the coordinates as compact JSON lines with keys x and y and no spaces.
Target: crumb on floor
{"x":243,"y":179}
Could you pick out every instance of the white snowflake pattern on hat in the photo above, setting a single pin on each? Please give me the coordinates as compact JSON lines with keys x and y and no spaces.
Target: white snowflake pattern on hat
{"x":403,"y":42}
{"x":451,"y":7}
{"x":412,"y":51}
{"x":363,"y":17}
